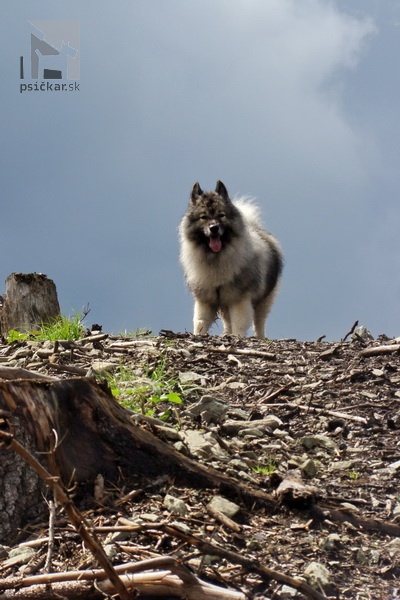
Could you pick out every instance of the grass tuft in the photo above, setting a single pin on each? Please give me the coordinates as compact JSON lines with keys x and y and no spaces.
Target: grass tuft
{"x":60,"y":328}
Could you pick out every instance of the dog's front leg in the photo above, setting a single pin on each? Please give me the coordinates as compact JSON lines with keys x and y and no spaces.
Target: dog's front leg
{"x":241,"y":316}
{"x":226,"y":319}
{"x":204,"y":315}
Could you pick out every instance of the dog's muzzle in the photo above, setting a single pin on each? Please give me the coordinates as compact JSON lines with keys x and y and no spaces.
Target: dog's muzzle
{"x":215,"y":231}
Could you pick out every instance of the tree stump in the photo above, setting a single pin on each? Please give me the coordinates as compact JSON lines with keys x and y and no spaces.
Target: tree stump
{"x":29,"y":300}
{"x":77,"y":430}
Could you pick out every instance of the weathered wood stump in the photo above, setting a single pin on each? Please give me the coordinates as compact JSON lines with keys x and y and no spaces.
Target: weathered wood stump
{"x":77,"y":430}
{"x":30,"y":299}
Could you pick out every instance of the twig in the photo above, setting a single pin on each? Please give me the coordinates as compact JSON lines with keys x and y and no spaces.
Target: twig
{"x":275,"y":394}
{"x":350,"y":332}
{"x":50,"y":548}
{"x":226,"y":521}
{"x":325,"y":411}
{"x":243,"y":352}
{"x":74,"y":515}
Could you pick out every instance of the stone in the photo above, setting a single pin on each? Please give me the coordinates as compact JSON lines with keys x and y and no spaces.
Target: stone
{"x":251,"y":432}
{"x":331,"y":543}
{"x":224,"y":506}
{"x":309,"y":468}
{"x":317,"y":575}
{"x":202,"y":445}
{"x":19,"y":556}
{"x":210,"y":409}
{"x":175,"y":505}
{"x":363,"y":333}
{"x":311,"y":441}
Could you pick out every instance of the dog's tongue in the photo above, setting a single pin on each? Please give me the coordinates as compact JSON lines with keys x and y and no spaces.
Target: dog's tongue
{"x":215,"y":244}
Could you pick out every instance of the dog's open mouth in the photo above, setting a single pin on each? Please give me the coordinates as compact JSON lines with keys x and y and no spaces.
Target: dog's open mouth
{"x":215,"y":243}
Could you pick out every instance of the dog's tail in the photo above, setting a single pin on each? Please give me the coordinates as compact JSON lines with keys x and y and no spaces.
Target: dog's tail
{"x":250,"y":211}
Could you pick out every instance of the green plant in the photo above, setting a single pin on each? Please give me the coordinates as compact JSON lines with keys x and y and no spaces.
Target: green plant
{"x":354,"y":474}
{"x":267,"y":469}
{"x":60,"y":328}
{"x":141,"y":393}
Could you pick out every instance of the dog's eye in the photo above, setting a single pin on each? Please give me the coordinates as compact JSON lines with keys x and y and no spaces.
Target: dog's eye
{"x":203,"y":217}
{"x":221,"y":215}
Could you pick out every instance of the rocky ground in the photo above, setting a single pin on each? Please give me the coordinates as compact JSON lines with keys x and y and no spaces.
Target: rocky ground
{"x":314,"y":424}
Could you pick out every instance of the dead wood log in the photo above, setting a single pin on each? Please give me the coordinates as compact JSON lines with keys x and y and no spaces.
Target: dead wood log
{"x":78,"y":430}
{"x":29,"y":300}
{"x":376,"y":350}
{"x":144,"y":577}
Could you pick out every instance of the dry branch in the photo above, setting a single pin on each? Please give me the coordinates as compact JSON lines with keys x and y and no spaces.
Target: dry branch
{"x":11,"y":373}
{"x":74,"y":515}
{"x":233,"y":557}
{"x":388,"y":349}
{"x":243,"y":352}
{"x":159,"y":576}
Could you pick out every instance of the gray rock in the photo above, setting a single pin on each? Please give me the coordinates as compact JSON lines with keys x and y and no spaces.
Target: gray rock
{"x":251,"y":432}
{"x":361,"y":557}
{"x":363,"y":333}
{"x":175,"y":505}
{"x":396,"y":512}
{"x":170,"y":433}
{"x":189,"y":377}
{"x":317,"y":575}
{"x":102,"y":366}
{"x":271,"y":422}
{"x":395,"y":465}
{"x":309,"y":468}
{"x":238,"y":464}
{"x":342,"y":465}
{"x":311,"y":441}
{"x":202,"y":445}
{"x":224,"y":506}
{"x":210,"y":409}
{"x":287,"y":593}
{"x":332,"y":542}
{"x":111,"y":551}
{"x":19,"y":556}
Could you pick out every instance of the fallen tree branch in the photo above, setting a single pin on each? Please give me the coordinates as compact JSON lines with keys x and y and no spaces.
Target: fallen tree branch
{"x":74,"y":515}
{"x":275,"y":394}
{"x":389,"y":349}
{"x":177,"y":580}
{"x":350,"y":332}
{"x":19,"y":373}
{"x":215,"y":550}
{"x":242,"y":352}
{"x":345,"y":516}
{"x":325,"y":411}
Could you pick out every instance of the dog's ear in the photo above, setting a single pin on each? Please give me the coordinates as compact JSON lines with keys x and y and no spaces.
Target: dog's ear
{"x":196,"y":192}
{"x":221,"y":190}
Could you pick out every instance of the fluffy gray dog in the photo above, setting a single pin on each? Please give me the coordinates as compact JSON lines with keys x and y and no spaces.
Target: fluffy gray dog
{"x":232,"y":265}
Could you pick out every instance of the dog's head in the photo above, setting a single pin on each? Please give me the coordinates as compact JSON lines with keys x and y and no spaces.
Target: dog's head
{"x":210,"y":216}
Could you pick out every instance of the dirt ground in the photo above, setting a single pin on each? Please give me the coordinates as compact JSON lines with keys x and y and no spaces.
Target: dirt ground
{"x":314,"y":424}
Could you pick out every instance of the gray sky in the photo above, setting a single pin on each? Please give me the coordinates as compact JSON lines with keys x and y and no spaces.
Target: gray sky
{"x":294,"y":103}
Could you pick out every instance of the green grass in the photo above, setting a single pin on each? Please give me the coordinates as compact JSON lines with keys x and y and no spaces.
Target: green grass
{"x":142,"y":393}
{"x":60,"y":328}
{"x":267,"y":469}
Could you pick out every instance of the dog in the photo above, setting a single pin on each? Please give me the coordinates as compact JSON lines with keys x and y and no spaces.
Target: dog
{"x":231,"y":264}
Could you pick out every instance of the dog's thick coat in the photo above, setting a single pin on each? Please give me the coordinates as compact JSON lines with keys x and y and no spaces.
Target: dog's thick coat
{"x":232,"y":265}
